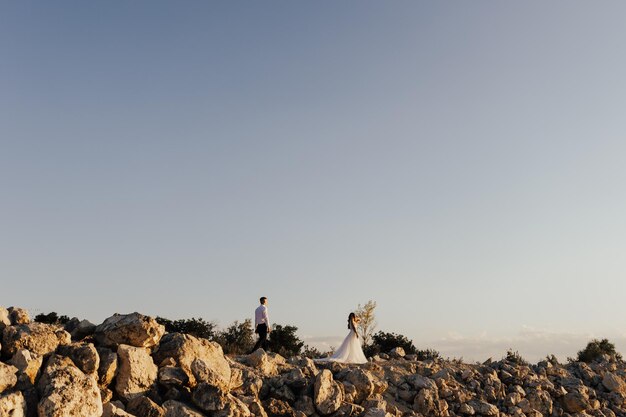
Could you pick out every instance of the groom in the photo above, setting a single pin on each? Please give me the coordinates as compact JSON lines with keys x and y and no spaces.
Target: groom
{"x":261,"y":324}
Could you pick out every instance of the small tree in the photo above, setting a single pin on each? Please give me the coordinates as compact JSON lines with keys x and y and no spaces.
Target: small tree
{"x":197,"y":327}
{"x":368,"y":321}
{"x":283,"y":340}
{"x":51,"y":318}
{"x":237,"y":338}
{"x":597,"y":348}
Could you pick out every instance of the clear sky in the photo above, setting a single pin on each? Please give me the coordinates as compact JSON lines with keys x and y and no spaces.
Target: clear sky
{"x":460,"y":163}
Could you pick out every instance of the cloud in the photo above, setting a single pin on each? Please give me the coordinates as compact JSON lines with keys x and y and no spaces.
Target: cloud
{"x":532,"y":343}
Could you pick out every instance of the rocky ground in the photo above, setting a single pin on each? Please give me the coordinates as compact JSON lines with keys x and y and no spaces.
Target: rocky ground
{"x":129,"y":366}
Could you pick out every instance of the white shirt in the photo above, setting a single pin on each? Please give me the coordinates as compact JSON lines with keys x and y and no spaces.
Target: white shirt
{"x":260,"y":316}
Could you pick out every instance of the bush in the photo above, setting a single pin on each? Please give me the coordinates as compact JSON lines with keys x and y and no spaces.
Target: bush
{"x":283,"y":340}
{"x":51,"y":318}
{"x":597,"y":348}
{"x":383,"y":342}
{"x":423,"y":355}
{"x":197,"y":327}
{"x":514,"y":357}
{"x":238,"y":338}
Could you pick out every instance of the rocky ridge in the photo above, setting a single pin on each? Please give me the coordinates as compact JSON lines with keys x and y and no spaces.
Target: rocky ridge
{"x":129,"y":366}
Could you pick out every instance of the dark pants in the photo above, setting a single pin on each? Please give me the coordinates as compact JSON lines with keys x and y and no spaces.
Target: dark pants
{"x":261,"y":329}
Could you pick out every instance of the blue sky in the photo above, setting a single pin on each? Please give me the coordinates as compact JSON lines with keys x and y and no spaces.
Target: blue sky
{"x":459,"y":163}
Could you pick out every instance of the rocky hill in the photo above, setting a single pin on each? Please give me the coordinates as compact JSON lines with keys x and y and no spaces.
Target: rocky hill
{"x":129,"y":366}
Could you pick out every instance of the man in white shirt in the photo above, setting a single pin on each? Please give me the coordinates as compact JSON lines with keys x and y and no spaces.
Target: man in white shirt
{"x":261,"y":324}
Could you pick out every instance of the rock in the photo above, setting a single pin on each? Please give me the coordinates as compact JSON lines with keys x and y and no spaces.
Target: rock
{"x":363,"y":381}
{"x":234,"y":408}
{"x":84,"y":355}
{"x":81,"y":329}
{"x":210,"y":398}
{"x":38,"y":338}
{"x":255,"y":407}
{"x":13,"y":405}
{"x":129,"y":329}
{"x":66,"y":391}
{"x":260,"y":360}
{"x":18,"y":316}
{"x":540,"y":401}
{"x":107,"y":369}
{"x":137,"y":372}
{"x":575,"y":402}
{"x":185,"y":349}
{"x":303,"y":404}
{"x":418,"y":382}
{"x":111,"y":410}
{"x":5,"y":320}
{"x":376,"y":412}
{"x":397,"y":353}
{"x":144,"y":407}
{"x":349,"y":410}
{"x":467,"y":410}
{"x":614,"y":383}
{"x":484,"y":408}
{"x":178,"y":409}
{"x":8,"y":377}
{"x":427,"y":402}
{"x":27,"y":364}
{"x":205,"y":373}
{"x":278,"y":408}
{"x":327,"y":395}
{"x":172,"y":376}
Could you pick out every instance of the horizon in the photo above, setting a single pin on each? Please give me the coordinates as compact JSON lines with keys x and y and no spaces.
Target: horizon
{"x":459,"y":164}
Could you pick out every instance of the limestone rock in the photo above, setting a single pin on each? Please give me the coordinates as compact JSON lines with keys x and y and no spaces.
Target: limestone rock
{"x":484,"y":408}
{"x":137,"y":372}
{"x":66,"y":391}
{"x":8,"y":377}
{"x":575,"y":402}
{"x":397,"y":353}
{"x":129,"y":329}
{"x":205,"y":373}
{"x":540,"y":401}
{"x":84,"y":356}
{"x":107,"y":369}
{"x":278,"y":408}
{"x":172,"y":376}
{"x":5,"y":320}
{"x":363,"y":381}
{"x":185,"y":349}
{"x":80,"y":329}
{"x":210,"y":398}
{"x":38,"y":338}
{"x":179,"y":409}
{"x":13,"y":405}
{"x":327,"y":395}
{"x":144,"y":407}
{"x":111,"y":410}
{"x":18,"y":316}
{"x":260,"y":360}
{"x":27,"y":364}
{"x":376,"y":412}
{"x":614,"y":383}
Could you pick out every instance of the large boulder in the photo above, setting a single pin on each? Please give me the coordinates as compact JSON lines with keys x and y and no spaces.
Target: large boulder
{"x":177,"y":409}
{"x":259,"y":359}
{"x":614,"y":383}
{"x":8,"y":377}
{"x":65,"y":391}
{"x":38,"y":338}
{"x":137,"y":372}
{"x":327,"y":393}
{"x":27,"y":364}
{"x":363,"y":381}
{"x":186,"y":349}
{"x":129,"y":329}
{"x":84,"y":355}
{"x":13,"y":405}
{"x":575,"y":402}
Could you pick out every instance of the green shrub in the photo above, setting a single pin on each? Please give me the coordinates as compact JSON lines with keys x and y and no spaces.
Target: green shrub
{"x":383,"y":342}
{"x":514,"y":356}
{"x":284,"y":341}
{"x":597,"y":348}
{"x":51,"y":318}
{"x":197,"y":327}
{"x":238,"y":338}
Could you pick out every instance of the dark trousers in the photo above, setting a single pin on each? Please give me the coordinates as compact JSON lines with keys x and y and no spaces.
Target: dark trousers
{"x":261,"y":329}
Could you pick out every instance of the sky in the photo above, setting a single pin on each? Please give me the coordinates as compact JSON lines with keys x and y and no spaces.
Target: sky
{"x":459,"y":163}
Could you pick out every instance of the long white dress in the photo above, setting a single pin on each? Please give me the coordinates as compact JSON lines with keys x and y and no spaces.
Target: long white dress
{"x":350,"y":350}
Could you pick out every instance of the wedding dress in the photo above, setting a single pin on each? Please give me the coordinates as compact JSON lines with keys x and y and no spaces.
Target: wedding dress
{"x":350,"y":350}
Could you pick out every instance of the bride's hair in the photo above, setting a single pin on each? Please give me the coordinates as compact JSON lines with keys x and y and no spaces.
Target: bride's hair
{"x":350,"y":318}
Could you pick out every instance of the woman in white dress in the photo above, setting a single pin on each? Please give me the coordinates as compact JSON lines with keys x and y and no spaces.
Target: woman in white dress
{"x":350,"y":350}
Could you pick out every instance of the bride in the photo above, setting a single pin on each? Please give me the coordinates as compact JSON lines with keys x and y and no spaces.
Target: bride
{"x":350,"y":350}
